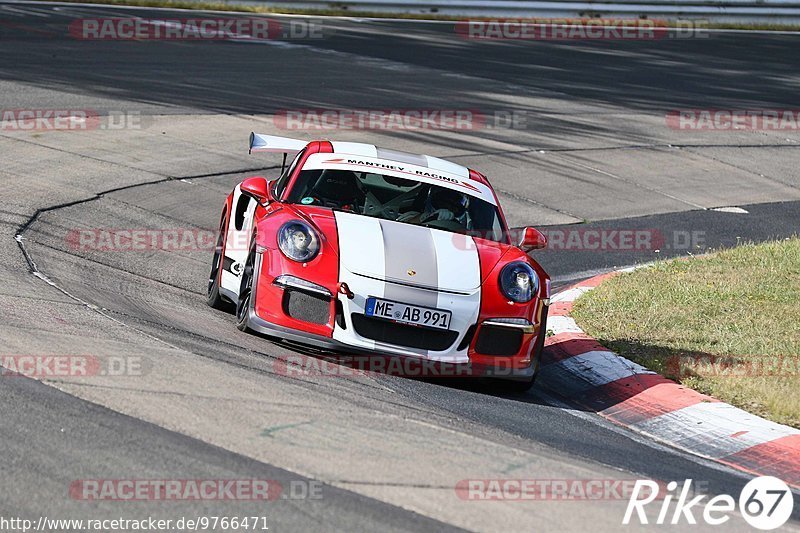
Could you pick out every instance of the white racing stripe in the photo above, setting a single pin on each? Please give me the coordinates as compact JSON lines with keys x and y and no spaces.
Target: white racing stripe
{"x":365,"y":150}
{"x":237,"y":246}
{"x":447,"y":166}
{"x":360,"y":244}
{"x":407,"y":254}
{"x":458,"y":265}
{"x":457,"y":262}
{"x":407,"y":264}
{"x":409,"y":259}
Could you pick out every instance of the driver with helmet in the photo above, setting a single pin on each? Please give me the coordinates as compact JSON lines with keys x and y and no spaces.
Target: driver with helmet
{"x":441,"y":204}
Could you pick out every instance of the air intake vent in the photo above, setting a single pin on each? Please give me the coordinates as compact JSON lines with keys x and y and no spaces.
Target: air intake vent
{"x":403,"y":335}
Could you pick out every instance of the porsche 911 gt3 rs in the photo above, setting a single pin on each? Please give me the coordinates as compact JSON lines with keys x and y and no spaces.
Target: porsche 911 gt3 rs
{"x":360,"y":249}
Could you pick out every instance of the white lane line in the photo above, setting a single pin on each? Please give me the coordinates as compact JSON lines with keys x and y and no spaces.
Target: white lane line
{"x":570,"y":295}
{"x":713,"y":429}
{"x":630,"y":181}
{"x":586,"y":274}
{"x":12,"y":12}
{"x":71,"y":11}
{"x":26,"y":11}
{"x":737,"y":210}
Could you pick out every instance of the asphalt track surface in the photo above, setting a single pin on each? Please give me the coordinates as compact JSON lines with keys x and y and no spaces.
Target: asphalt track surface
{"x":594,"y":154}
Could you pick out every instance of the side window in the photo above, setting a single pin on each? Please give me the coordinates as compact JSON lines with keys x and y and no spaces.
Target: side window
{"x":284,"y":179}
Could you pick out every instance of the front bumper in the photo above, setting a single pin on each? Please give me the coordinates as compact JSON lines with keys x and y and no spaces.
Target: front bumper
{"x":340,"y":334}
{"x":261,"y":326}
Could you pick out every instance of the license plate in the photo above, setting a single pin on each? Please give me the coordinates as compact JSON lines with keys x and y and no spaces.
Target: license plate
{"x":408,"y":314}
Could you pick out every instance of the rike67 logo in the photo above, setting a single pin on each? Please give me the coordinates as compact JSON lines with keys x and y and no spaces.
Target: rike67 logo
{"x":766,"y":503}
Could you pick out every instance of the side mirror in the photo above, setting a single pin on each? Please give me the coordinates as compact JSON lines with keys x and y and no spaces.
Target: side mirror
{"x":256,"y":187}
{"x":531,"y":239}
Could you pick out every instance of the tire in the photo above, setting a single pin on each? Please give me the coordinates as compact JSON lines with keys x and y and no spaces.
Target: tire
{"x":213,"y":297}
{"x":524,"y":386}
{"x":521,"y":386}
{"x":246,"y":289}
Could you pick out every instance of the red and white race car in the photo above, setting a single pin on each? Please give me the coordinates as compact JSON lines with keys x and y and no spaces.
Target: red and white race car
{"x":364,"y":250}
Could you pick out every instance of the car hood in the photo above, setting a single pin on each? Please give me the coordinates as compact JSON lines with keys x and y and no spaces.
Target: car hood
{"x":412,"y":255}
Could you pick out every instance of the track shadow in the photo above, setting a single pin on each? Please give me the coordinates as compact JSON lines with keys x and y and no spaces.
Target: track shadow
{"x":386,"y":61}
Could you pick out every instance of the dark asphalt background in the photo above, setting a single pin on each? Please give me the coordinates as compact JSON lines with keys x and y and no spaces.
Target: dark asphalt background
{"x":43,"y":429}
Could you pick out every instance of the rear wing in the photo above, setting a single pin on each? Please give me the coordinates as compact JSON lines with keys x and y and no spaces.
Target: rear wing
{"x":273,"y":143}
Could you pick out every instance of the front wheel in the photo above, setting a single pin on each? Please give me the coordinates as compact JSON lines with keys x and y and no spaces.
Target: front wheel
{"x":213,"y":297}
{"x":523,"y":385}
{"x":246,"y":290}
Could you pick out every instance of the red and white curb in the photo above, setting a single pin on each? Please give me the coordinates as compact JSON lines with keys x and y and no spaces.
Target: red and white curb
{"x":579,"y":368}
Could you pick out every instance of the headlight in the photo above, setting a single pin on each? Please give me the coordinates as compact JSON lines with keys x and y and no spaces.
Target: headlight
{"x":519,"y":282}
{"x":298,"y":241}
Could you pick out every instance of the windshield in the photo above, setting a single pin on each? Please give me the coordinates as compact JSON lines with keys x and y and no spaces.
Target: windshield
{"x":398,"y":199}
